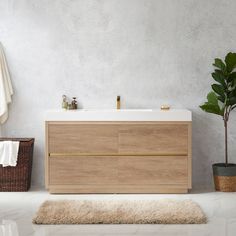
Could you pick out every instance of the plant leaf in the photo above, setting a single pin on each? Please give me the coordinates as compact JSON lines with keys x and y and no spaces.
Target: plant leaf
{"x":219,"y":64}
{"x":211,"y":108}
{"x":231,"y":101}
{"x":218,"y":89}
{"x":230,"y":61}
{"x":232,"y":98}
{"x":221,"y":99}
{"x":234,"y":83}
{"x":219,"y":77}
{"x":212,"y":98}
{"x":232,"y":93}
{"x":232,"y":76}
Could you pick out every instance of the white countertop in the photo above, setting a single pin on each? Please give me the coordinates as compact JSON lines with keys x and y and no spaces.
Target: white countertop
{"x":118,"y":115}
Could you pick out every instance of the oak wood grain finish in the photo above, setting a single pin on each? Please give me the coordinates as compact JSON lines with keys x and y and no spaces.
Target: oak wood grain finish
{"x":83,"y":170}
{"x":46,"y":164}
{"x":122,"y":138}
{"x":118,"y":157}
{"x":153,"y":170}
{"x":83,"y":138}
{"x":157,"y":138}
{"x":118,"y":188}
{"x":190,"y":155}
{"x":118,"y":170}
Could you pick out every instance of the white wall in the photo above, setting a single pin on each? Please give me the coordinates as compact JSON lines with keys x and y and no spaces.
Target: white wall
{"x":148,"y":51}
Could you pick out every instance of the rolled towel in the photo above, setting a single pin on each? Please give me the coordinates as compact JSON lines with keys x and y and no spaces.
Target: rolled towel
{"x":9,"y":153}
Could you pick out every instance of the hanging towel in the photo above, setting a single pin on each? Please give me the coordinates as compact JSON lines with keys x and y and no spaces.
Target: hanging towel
{"x":8,"y":228}
{"x":9,"y":153}
{"x":6,"y":90}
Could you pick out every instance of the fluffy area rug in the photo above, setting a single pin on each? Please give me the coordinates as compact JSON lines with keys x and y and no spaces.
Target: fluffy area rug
{"x":120,"y":212}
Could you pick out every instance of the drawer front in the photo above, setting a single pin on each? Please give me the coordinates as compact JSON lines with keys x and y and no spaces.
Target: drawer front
{"x":171,"y":139}
{"x":118,"y":170}
{"x":87,"y":170}
{"x":82,"y":138}
{"x":151,"y":170}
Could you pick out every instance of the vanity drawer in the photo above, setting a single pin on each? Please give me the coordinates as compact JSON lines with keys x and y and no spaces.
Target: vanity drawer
{"x":82,"y":138}
{"x":118,"y":170}
{"x":170,"y":139}
{"x":85,"y":170}
{"x":153,"y":170}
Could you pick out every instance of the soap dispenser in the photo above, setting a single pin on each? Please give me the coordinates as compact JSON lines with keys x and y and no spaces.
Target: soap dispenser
{"x":74,"y":103}
{"x":64,"y":102}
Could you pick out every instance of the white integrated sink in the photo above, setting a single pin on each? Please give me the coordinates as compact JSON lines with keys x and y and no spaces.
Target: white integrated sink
{"x":116,"y":110}
{"x":119,"y":115}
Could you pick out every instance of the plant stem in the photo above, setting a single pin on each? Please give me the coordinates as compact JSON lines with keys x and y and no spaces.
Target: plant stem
{"x":226,"y":142}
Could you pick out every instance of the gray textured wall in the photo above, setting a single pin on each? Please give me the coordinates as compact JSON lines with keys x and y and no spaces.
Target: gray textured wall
{"x":148,"y":51}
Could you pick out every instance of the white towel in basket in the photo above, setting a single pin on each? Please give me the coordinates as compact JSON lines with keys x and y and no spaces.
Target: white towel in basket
{"x":9,"y":153}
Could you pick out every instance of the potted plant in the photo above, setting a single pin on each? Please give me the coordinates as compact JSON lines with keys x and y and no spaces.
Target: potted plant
{"x":221,"y":101}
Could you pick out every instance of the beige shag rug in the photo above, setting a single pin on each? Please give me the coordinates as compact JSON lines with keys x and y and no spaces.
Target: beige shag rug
{"x":120,"y":212}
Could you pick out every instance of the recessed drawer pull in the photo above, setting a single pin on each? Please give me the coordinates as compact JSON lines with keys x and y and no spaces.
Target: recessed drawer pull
{"x":115,"y":154}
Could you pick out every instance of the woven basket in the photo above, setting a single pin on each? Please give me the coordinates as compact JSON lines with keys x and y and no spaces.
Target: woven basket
{"x":225,"y":183}
{"x":18,"y":179}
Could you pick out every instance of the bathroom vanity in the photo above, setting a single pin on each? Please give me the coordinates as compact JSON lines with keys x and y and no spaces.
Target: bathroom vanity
{"x":118,"y":151}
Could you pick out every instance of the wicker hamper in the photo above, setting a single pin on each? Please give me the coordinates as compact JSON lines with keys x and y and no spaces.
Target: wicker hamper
{"x":18,"y":179}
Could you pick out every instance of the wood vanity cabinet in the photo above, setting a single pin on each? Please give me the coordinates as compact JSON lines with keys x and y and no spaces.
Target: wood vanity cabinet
{"x":118,"y":157}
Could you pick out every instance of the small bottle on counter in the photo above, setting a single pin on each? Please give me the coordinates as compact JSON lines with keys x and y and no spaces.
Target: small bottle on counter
{"x":74,"y":103}
{"x":64,"y":102}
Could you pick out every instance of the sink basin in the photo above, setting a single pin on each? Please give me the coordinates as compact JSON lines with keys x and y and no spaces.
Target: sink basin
{"x":119,"y":115}
{"x":115,"y":110}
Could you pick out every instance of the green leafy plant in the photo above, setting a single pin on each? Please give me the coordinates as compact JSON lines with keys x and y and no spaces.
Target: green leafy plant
{"x":222,"y":100}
